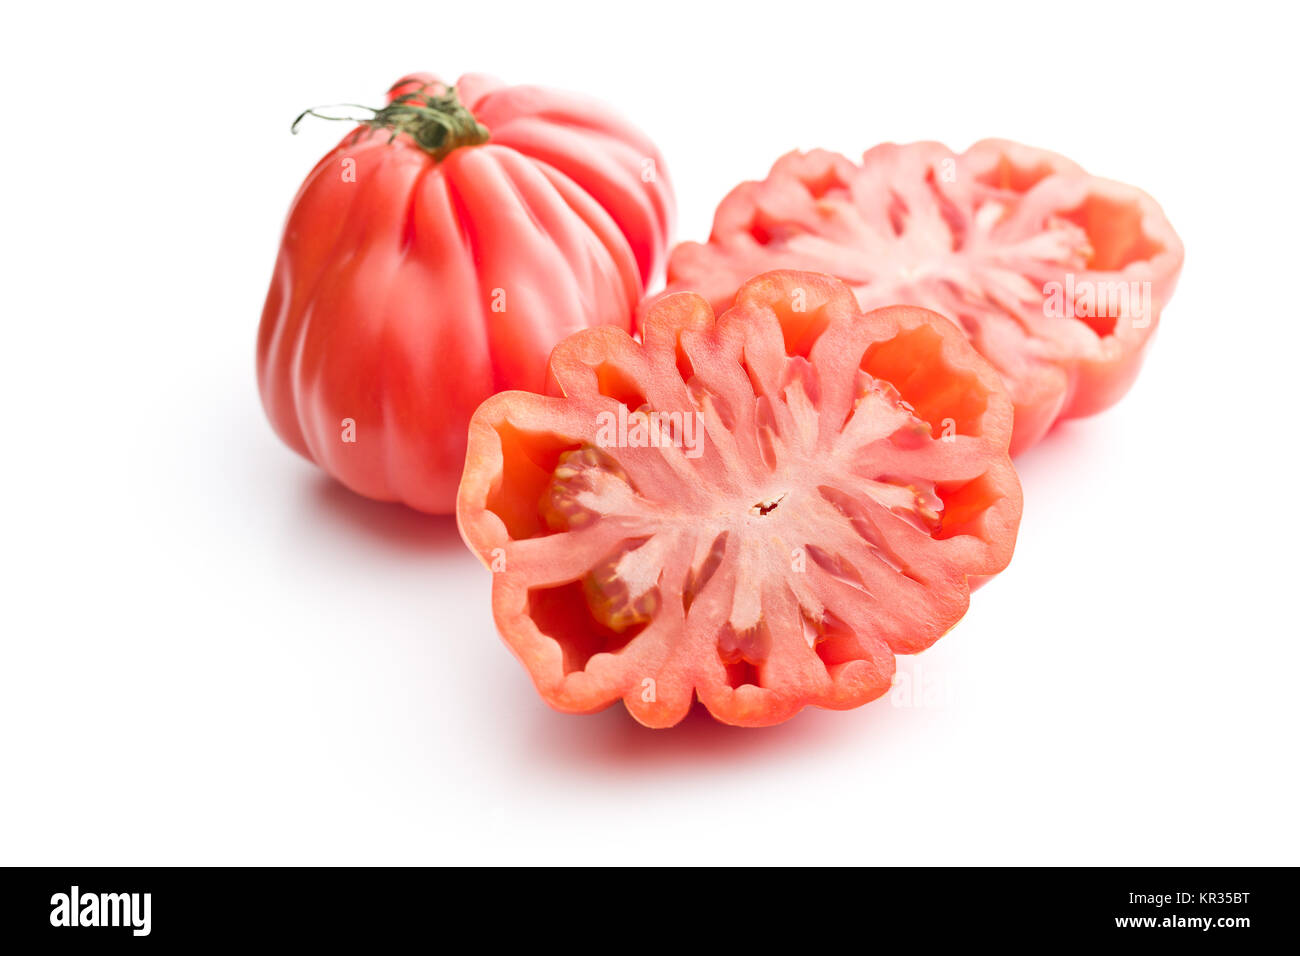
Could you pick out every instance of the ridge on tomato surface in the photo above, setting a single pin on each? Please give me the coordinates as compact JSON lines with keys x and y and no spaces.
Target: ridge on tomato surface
{"x":436,"y":256}
{"x":759,"y":510}
{"x":1056,"y":276}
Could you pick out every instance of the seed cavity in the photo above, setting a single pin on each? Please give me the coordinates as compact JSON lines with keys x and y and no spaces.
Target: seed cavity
{"x":743,"y":652}
{"x":585,"y":481}
{"x":618,"y":590}
{"x":701,"y":572}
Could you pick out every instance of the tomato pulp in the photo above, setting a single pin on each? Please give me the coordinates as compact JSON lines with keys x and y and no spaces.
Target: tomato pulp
{"x":1057,"y":277}
{"x":759,"y":510}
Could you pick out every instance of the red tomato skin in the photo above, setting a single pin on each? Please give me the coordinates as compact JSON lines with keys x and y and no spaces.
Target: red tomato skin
{"x":407,"y":290}
{"x":611,"y":160}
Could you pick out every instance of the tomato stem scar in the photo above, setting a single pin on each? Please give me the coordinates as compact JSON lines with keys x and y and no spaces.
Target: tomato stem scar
{"x":437,"y":123}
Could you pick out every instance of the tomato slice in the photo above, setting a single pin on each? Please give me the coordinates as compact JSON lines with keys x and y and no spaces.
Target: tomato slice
{"x":1057,"y":277}
{"x":759,"y":510}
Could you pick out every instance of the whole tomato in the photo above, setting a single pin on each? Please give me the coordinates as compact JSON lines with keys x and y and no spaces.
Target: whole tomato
{"x":435,"y":257}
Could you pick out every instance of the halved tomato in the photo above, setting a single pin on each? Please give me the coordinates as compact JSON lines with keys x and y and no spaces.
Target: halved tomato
{"x":1058,"y":277}
{"x":759,"y":510}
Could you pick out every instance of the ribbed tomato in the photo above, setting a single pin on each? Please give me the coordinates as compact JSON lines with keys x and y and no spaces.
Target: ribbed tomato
{"x":1058,"y":277}
{"x":435,"y":257}
{"x":759,"y":510}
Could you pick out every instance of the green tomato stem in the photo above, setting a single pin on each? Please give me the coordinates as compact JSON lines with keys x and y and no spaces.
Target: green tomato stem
{"x":437,"y":123}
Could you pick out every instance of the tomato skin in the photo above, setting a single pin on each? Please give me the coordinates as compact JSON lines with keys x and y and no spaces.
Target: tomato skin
{"x":912,"y":224}
{"x":611,"y":160}
{"x":408,"y":289}
{"x":822,"y":429}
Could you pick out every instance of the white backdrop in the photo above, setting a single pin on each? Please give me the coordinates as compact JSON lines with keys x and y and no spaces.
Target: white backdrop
{"x":212,"y":654}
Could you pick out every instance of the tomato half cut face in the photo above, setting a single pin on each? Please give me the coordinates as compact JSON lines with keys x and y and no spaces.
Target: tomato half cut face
{"x":1057,"y":277}
{"x":759,"y":510}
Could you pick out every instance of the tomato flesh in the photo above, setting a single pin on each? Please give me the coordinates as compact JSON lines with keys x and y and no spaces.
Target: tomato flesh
{"x":1057,"y":277}
{"x":757,"y":510}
